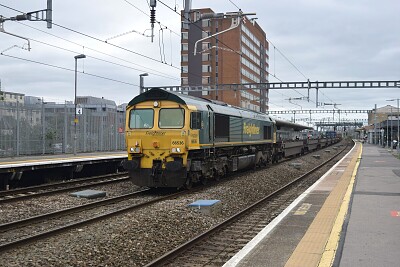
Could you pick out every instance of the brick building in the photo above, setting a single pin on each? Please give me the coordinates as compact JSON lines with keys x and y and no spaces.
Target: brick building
{"x":238,"y":56}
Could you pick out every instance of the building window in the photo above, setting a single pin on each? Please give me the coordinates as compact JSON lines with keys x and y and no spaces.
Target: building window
{"x":185,"y":35}
{"x":204,"y":92}
{"x":205,"y":46}
{"x":206,"y":68}
{"x":205,"y":57}
{"x":205,"y":80}
{"x":205,"y":34}
{"x":184,"y":58}
{"x":184,"y":69}
{"x":185,"y":80}
{"x":196,"y":16}
{"x":206,"y":23}
{"x":185,"y":47}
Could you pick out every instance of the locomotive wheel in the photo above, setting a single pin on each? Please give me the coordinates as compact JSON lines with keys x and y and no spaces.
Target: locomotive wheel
{"x":216,"y":175}
{"x":188,"y":183}
{"x":203,"y":180}
{"x":259,"y":159}
{"x":225,"y":171}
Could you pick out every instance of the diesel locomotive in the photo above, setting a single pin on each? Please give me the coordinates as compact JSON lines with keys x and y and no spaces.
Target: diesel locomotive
{"x":175,"y":140}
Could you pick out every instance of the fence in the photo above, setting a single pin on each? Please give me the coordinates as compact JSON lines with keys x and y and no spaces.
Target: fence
{"x":49,"y":128}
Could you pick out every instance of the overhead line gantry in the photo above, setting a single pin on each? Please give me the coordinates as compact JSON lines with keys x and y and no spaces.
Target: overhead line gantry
{"x":283,"y":86}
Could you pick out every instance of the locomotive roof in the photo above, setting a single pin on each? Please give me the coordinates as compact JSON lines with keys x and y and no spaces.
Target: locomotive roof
{"x":200,"y":103}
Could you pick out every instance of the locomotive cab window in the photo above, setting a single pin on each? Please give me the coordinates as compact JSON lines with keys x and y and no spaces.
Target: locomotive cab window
{"x":195,"y":120}
{"x":171,"y":118}
{"x":141,"y":119}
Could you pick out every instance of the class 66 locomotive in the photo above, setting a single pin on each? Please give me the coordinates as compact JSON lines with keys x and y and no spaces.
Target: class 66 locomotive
{"x":175,"y":140}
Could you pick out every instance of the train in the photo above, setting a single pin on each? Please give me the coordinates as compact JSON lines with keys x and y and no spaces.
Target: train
{"x":175,"y":140}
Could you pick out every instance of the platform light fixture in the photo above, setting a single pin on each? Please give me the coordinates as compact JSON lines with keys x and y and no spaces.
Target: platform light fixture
{"x":141,"y":86}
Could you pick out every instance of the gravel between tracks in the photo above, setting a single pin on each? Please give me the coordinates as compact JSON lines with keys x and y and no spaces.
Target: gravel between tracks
{"x":13,"y":211}
{"x":135,"y":238}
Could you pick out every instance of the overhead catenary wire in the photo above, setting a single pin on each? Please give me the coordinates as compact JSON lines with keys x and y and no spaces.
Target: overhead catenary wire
{"x":273,"y":75}
{"x":161,"y":43}
{"x":214,"y":37}
{"x":99,"y":59}
{"x":153,"y":71}
{"x":269,"y":41}
{"x":99,"y":40}
{"x":174,"y":10}
{"x":238,"y":52}
{"x":96,"y":40}
{"x":67,"y":69}
{"x":128,"y":50}
{"x":189,"y":19}
{"x":284,"y":56}
{"x":234,"y":4}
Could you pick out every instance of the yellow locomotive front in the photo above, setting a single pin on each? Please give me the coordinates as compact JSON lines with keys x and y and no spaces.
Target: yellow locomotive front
{"x":157,"y":143}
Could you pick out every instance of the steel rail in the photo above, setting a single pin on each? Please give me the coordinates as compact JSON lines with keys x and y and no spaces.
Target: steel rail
{"x":23,"y":193}
{"x":15,"y":224}
{"x":38,"y":236}
{"x":169,"y":256}
{"x":44,"y":186}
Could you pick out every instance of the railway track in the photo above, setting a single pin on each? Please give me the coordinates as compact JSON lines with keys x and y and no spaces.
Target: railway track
{"x":35,"y":228}
{"x":217,"y":245}
{"x":19,"y":233}
{"x":48,"y":189}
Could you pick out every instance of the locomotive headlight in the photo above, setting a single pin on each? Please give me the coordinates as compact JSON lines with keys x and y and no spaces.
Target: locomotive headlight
{"x":176,"y":150}
{"x":156,"y":104}
{"x":134,"y":149}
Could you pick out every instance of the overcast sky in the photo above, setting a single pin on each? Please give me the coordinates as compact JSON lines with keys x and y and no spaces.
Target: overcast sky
{"x":331,"y":40}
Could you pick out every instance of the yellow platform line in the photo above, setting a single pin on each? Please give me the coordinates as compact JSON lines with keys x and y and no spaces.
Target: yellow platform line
{"x":331,"y":247}
{"x":314,"y":244}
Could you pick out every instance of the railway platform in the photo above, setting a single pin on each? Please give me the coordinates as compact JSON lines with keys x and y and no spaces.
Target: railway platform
{"x":30,"y":161}
{"x":62,"y":165}
{"x":349,"y":217}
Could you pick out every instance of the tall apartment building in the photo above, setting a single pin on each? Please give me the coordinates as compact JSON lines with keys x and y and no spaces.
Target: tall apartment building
{"x":238,"y":56}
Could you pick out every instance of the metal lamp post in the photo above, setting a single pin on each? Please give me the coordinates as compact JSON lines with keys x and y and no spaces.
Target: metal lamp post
{"x":387,"y":132}
{"x":75,"y":117}
{"x":391,"y":129}
{"x":398,"y":122}
{"x":141,"y":81}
